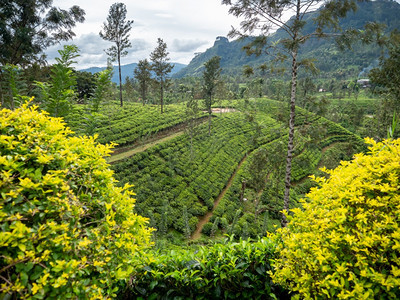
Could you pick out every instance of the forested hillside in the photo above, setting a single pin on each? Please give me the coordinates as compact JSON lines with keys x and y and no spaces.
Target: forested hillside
{"x":332,"y":62}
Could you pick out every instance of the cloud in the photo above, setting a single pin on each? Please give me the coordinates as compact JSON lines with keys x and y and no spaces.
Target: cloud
{"x":139,"y":45}
{"x":91,"y":43}
{"x":92,"y":48}
{"x":186,"y":45}
{"x":165,"y":16}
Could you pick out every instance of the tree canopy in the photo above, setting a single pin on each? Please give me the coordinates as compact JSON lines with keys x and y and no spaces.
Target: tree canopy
{"x":211,"y":76}
{"x":143,"y":76}
{"x":28,"y":27}
{"x":161,"y":67}
{"x":116,"y":30}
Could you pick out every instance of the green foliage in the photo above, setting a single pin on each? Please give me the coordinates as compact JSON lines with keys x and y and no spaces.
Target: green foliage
{"x":161,"y":67}
{"x":345,"y":241}
{"x":207,"y":228}
{"x":130,"y":124}
{"x":387,"y":75}
{"x":211,"y":75}
{"x":385,"y":80}
{"x":319,"y":142}
{"x":85,"y":85}
{"x":28,"y":27}
{"x":331,"y":62}
{"x":143,"y":76}
{"x":66,"y":230}
{"x":168,"y":171}
{"x":12,"y":85}
{"x":58,"y":95}
{"x":102,"y":90}
{"x":221,"y":271}
{"x":116,"y":30}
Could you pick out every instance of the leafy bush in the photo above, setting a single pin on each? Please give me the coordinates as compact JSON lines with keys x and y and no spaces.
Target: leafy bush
{"x":207,"y":228}
{"x":66,"y":230}
{"x":346,"y":241}
{"x":221,"y":271}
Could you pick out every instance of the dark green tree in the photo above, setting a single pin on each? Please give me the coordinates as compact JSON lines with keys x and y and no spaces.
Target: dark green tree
{"x":26,"y":31}
{"x":192,"y":113}
{"x":58,"y":95}
{"x":85,"y":85}
{"x":161,"y":67}
{"x":12,"y":86}
{"x":263,"y":16}
{"x":211,"y":76}
{"x":103,"y":88}
{"x":143,"y":77}
{"x":385,"y":80}
{"x":116,"y":30}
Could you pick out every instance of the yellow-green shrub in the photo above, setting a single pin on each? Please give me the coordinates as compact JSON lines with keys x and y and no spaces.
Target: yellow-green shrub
{"x":345,"y":243}
{"x":66,"y":230}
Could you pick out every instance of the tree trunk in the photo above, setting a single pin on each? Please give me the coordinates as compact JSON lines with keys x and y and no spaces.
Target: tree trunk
{"x":120,"y":81}
{"x":162,"y":96}
{"x":209,"y":117}
{"x":286,"y":199}
{"x":1,"y":90}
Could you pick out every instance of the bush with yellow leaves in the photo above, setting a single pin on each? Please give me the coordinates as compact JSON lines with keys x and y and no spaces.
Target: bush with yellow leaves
{"x":66,"y":230}
{"x":345,"y":242}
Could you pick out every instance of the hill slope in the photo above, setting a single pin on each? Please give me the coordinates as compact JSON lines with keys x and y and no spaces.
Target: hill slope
{"x":179,"y":182}
{"x":329,"y":60}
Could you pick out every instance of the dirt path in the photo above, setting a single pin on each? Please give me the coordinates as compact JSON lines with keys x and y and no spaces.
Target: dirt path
{"x":162,"y":136}
{"x":204,"y":219}
{"x":144,"y":147}
{"x":165,"y":135}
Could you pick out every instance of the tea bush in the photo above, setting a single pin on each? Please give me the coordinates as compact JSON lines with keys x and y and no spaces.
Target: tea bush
{"x":66,"y":230}
{"x":345,"y":242}
{"x":231,"y":270}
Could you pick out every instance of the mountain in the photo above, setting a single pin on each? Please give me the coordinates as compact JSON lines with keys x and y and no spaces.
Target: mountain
{"x":330,"y":61}
{"x":127,"y":70}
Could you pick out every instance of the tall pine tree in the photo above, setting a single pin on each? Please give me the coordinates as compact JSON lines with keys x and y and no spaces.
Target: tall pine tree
{"x":116,"y":30}
{"x":143,"y":76}
{"x":211,"y":76}
{"x":161,"y":67}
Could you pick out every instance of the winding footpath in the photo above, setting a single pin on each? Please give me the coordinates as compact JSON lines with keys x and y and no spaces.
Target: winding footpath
{"x":163,"y":136}
{"x":136,"y":149}
{"x":204,"y":219}
{"x":173,"y":132}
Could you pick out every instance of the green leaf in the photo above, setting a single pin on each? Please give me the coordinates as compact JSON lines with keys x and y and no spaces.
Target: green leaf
{"x":153,"y":284}
{"x":24,"y":278}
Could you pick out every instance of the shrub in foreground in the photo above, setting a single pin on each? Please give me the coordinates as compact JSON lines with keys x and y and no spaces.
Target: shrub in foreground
{"x":66,"y":230}
{"x":345,"y":243}
{"x":234,"y":270}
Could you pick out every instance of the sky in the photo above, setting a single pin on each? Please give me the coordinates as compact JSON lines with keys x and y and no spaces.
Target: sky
{"x":187,"y":27}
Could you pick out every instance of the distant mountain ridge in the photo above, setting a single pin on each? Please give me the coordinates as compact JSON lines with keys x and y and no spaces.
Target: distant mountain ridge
{"x":330,"y":61}
{"x":127,"y":71}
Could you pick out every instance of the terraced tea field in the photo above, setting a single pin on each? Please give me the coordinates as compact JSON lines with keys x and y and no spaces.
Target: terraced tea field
{"x":197,"y":185}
